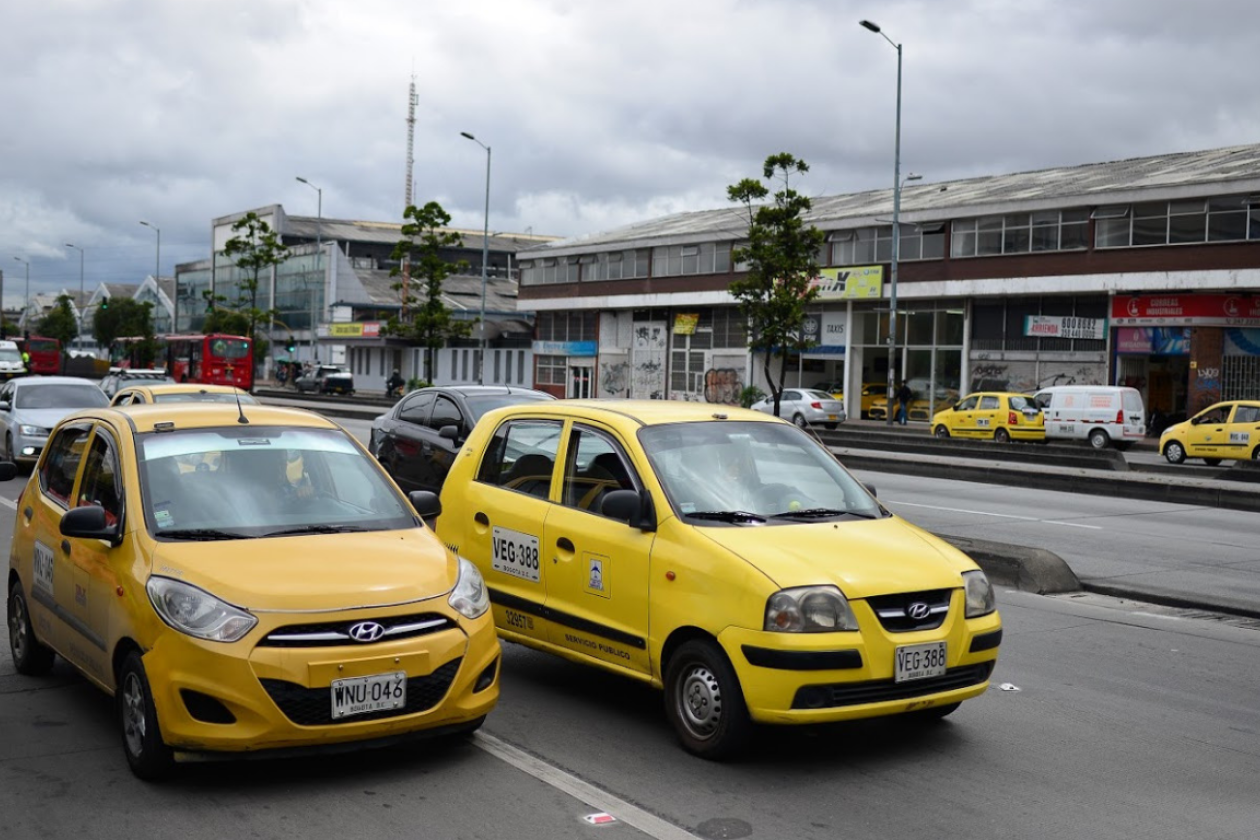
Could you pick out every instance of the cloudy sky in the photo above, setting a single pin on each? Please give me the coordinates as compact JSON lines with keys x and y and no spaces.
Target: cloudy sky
{"x":599,"y":114}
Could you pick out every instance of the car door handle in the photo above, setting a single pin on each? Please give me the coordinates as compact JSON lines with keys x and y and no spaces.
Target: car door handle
{"x":65,"y":546}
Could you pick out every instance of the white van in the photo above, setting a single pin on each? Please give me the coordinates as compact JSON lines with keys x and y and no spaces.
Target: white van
{"x":1105,"y":415}
{"x":11,"y":363}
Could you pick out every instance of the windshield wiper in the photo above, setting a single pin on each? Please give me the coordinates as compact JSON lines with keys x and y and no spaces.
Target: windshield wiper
{"x":728,"y":515}
{"x":202,"y":534}
{"x":822,"y":513}
{"x":315,"y":529}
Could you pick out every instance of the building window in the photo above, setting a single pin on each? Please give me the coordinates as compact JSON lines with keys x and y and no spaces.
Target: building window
{"x":679,"y":260}
{"x":567,"y":326}
{"x":1019,"y":233}
{"x":551,"y":370}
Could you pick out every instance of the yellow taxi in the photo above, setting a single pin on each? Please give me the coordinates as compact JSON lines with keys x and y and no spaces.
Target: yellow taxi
{"x":871,"y":391}
{"x":179,"y":392}
{"x":998,"y":415}
{"x":230,"y":609}
{"x":721,"y":555}
{"x":1224,"y":430}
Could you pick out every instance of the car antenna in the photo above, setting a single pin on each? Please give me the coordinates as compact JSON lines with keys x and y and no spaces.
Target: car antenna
{"x":241,"y":418}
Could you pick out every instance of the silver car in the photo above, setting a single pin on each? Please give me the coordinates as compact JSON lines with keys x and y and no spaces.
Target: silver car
{"x":31,"y":406}
{"x":805,"y":407}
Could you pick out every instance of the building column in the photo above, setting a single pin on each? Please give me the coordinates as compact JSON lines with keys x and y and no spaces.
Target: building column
{"x":1204,"y":388}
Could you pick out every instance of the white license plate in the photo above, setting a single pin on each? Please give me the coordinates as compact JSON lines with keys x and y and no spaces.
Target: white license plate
{"x":361,"y":695}
{"x":916,"y":662}
{"x":514,"y":553}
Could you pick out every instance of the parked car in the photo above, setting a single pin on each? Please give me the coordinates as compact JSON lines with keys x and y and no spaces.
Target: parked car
{"x":866,"y":397}
{"x":31,"y":406}
{"x":1003,"y":416}
{"x":417,"y":440}
{"x":326,"y":379}
{"x":118,"y":377}
{"x":921,"y":407}
{"x":724,"y":556}
{"x":1225,"y":430}
{"x":805,"y":407}
{"x":180,"y":392}
{"x":234,"y":603}
{"x":1104,"y":415}
{"x":11,"y":362}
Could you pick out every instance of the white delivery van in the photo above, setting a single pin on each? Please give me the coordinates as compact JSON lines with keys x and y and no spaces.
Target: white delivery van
{"x":11,"y":363}
{"x":1104,"y":415}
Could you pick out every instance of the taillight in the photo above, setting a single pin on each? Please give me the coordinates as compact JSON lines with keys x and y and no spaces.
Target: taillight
{"x":815,"y":405}
{"x":1012,"y":418}
{"x":1120,"y":416}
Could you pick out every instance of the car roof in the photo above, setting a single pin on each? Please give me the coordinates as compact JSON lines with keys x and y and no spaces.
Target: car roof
{"x":201,"y":415}
{"x":180,"y":388}
{"x":639,"y":412}
{"x":484,"y":390}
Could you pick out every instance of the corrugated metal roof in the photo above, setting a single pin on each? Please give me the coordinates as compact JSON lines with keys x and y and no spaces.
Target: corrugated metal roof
{"x":461,"y":292}
{"x":312,"y":227}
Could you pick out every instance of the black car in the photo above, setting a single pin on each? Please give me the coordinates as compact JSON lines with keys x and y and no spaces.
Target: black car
{"x":416,"y":440}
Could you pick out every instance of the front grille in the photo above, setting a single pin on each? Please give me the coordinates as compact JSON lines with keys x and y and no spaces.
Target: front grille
{"x":894,"y":611}
{"x":881,"y":691}
{"x":337,"y":633}
{"x":313,"y":706}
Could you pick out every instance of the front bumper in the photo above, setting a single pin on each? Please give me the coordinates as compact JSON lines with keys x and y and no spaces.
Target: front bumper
{"x":26,"y":448}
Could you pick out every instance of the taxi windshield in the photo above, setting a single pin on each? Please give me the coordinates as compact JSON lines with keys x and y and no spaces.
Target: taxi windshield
{"x":223,"y":483}
{"x":772,"y":471}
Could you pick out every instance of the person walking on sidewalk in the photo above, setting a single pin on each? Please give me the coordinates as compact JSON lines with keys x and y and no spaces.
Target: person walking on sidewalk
{"x":903,"y":397}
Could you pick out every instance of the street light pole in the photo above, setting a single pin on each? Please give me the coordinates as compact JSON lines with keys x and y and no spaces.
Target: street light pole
{"x":26,"y":299}
{"x":157,"y":266}
{"x":485,"y":258}
{"x":319,"y":252}
{"x":79,"y":307}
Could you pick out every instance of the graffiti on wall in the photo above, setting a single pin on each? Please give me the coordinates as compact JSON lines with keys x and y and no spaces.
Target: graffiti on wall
{"x":614,"y":377}
{"x":722,"y":386}
{"x":1206,"y":388}
{"x":647,"y":361}
{"x":1030,"y":376}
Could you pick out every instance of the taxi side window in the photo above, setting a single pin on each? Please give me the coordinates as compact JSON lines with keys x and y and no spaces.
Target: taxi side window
{"x":100,"y":480}
{"x":521,"y":456}
{"x":988,"y":401}
{"x":1247,"y":414}
{"x":56,"y":475}
{"x":968,"y":404}
{"x":594,"y":467}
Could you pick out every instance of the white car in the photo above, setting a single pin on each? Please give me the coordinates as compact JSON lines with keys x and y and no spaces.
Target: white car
{"x":805,"y":407}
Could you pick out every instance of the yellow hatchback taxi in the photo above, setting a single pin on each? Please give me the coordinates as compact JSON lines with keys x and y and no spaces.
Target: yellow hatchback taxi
{"x":141,"y":393}
{"x":720,"y":554}
{"x":1224,"y":430}
{"x":171,"y":556}
{"x":998,"y":415}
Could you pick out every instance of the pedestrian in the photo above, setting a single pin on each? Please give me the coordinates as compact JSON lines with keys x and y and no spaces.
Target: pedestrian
{"x":903,"y":397}
{"x":282,"y":373}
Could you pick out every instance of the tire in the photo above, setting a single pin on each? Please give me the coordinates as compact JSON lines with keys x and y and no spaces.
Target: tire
{"x":30,"y":657}
{"x":1099,"y":439}
{"x":704,"y":701}
{"x":1212,"y":462}
{"x":1002,"y":436}
{"x":8,"y":447}
{"x":941,"y":432}
{"x":1255,"y":454}
{"x":800,"y":421}
{"x":1174,"y":452}
{"x":149,"y":758}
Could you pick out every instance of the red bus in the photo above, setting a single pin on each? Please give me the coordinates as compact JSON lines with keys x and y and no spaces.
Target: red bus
{"x":45,"y":354}
{"x":214,"y":359}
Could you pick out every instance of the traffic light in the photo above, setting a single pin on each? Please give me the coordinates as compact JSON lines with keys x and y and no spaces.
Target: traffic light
{"x":291,"y":345}
{"x":105,"y":303}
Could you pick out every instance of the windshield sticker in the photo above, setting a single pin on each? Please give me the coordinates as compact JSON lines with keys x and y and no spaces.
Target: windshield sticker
{"x":253,"y":442}
{"x":162,"y":517}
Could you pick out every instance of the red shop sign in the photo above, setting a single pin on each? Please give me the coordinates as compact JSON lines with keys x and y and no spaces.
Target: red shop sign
{"x":1185,"y":310}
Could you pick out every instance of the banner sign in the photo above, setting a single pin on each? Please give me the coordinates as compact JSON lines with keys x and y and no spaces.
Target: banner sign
{"x":1064,"y":326}
{"x":565,"y":348}
{"x":1186,"y":310}
{"x":862,"y":282}
{"x":685,"y":323}
{"x":1160,"y":341}
{"x":357,"y":329}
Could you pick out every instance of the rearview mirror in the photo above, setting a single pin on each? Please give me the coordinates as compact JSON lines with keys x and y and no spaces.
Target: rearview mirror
{"x":449,"y":432}
{"x":89,"y":522}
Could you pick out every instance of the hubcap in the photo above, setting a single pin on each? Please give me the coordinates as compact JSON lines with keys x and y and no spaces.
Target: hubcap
{"x":1174,"y":452}
{"x":700,"y":702}
{"x":133,"y":714}
{"x":17,"y":626}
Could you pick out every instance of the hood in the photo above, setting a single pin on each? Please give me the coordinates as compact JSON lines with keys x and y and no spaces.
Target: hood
{"x":314,"y":572}
{"x":1176,"y":429}
{"x":43,"y":417}
{"x":863,"y":557}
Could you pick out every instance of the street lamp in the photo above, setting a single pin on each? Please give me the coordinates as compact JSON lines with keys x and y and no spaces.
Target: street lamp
{"x":319,"y":251}
{"x":896,"y":231}
{"x":79,"y":307}
{"x":485,"y":258}
{"x":157,"y":265}
{"x":26,"y":300}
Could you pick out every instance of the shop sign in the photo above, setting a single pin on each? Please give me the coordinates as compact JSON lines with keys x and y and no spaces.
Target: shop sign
{"x":357,"y":329}
{"x":685,"y":323}
{"x":565,"y":348}
{"x":864,"y":282}
{"x":1160,"y":341}
{"x":1186,"y":310}
{"x":1064,"y":326}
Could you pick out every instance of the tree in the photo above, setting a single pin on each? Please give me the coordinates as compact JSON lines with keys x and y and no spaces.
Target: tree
{"x":431,"y":323}
{"x":782,"y":260}
{"x":254,"y":248}
{"x":59,"y":323}
{"x":127,"y":317}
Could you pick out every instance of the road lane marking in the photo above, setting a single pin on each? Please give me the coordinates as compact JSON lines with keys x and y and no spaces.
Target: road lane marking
{"x":632,"y":815}
{"x":9,"y":503}
{"x":999,"y":515}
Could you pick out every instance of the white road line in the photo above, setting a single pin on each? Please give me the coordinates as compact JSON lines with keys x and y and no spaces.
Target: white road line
{"x":602,"y":800}
{"x":999,"y":515}
{"x":9,"y":503}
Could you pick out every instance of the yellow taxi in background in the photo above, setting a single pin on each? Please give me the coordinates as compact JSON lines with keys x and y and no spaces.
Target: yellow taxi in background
{"x":229,"y":608}
{"x":141,"y":393}
{"x":869,"y":393}
{"x":720,"y":554}
{"x":1224,"y":430}
{"x":1000,"y":415}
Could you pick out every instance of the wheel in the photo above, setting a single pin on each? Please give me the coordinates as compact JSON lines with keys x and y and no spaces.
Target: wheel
{"x":29,"y":656}
{"x":1002,"y":436}
{"x":941,"y":432}
{"x":1255,"y":454}
{"x":1099,"y":439}
{"x":1175,"y":452}
{"x":8,"y":446}
{"x":799,"y":420}
{"x":704,"y":701}
{"x":1212,"y":462}
{"x":933,"y":713}
{"x":150,"y":759}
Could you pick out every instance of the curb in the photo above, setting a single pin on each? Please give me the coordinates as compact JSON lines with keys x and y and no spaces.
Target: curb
{"x":1026,"y":568}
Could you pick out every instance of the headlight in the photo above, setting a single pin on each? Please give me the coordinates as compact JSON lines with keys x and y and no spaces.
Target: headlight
{"x":33,"y":431}
{"x":980,"y":600}
{"x":196,"y":612}
{"x":469,"y":597}
{"x":809,"y":609}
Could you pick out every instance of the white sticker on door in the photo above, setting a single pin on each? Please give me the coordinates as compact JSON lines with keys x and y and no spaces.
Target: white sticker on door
{"x":514,"y":553}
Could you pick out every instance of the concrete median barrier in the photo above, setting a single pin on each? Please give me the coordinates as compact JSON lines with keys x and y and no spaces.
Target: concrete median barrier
{"x":1026,"y":568}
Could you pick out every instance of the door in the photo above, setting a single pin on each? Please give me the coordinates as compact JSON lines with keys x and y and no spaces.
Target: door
{"x":436,"y":452}
{"x":1208,"y":433}
{"x":1243,"y":432}
{"x":597,"y":585}
{"x":402,"y":435}
{"x":963,"y":421}
{"x":580,"y":379}
{"x":985,"y":418}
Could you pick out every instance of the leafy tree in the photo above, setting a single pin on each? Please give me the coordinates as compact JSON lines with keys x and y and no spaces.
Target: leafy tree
{"x":220,"y":319}
{"x":59,"y":323}
{"x":430,"y":322}
{"x":255,"y":247}
{"x":782,"y":260}
{"x":127,"y":317}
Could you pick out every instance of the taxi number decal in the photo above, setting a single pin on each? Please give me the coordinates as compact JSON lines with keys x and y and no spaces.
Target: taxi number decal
{"x":514,"y":553}
{"x":1239,"y":437}
{"x":43,"y":568}
{"x":982,"y":421}
{"x":517,"y":620}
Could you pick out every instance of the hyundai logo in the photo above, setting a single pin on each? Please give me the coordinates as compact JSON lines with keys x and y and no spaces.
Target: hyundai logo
{"x":366,"y":631}
{"x":918,"y":611}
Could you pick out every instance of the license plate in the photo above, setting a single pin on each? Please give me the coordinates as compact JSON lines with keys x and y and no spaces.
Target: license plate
{"x":916,"y":662}
{"x":831,"y":417}
{"x":514,"y":553}
{"x":361,"y":695}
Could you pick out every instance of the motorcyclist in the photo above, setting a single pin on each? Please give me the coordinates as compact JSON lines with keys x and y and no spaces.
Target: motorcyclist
{"x":393,"y":385}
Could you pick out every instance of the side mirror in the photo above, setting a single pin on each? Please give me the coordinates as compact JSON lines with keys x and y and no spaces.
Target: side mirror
{"x":4,"y":405}
{"x":89,"y":523}
{"x":449,"y":432}
{"x":870,"y":488}
{"x":8,"y":470}
{"x":630,"y":507}
{"x":426,"y":503}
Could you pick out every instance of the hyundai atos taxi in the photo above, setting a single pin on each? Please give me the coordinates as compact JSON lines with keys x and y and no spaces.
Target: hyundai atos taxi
{"x":720,"y":554}
{"x":1226,"y":430}
{"x":998,"y":415}
{"x":243,"y":579}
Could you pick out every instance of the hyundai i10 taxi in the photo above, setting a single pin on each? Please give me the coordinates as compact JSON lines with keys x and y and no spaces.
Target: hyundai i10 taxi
{"x":243,"y":579}
{"x":720,"y":554}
